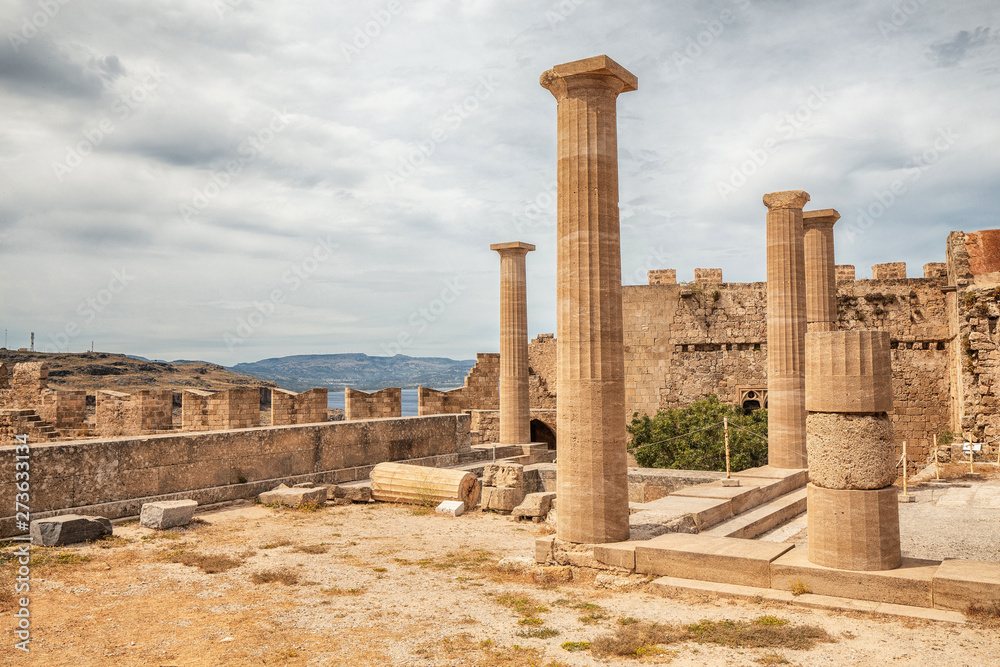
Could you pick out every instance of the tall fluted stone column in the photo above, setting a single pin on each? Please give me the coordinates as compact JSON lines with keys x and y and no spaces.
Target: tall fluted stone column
{"x":515,"y":413}
{"x":592,"y":469}
{"x":786,"y":330}
{"x":821,"y":272}
{"x":852,"y":509}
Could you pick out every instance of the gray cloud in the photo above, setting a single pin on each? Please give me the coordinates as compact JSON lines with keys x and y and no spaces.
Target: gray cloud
{"x":951,"y":52}
{"x":700,"y":113}
{"x":43,"y":69}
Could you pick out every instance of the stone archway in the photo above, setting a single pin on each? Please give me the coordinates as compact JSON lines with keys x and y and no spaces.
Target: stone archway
{"x":542,"y":432}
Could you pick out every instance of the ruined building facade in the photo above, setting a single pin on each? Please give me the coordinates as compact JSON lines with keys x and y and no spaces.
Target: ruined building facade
{"x":686,"y":341}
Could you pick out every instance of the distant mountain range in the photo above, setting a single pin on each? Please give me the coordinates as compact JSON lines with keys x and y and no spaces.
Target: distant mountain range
{"x":358,"y":371}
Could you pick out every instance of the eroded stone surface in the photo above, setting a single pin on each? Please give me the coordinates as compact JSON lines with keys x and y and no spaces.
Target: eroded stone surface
{"x":850,"y":451}
{"x":504,"y":475}
{"x":283,"y":495}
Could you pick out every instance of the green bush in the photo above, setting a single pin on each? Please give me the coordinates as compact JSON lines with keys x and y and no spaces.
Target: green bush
{"x":691,"y":438}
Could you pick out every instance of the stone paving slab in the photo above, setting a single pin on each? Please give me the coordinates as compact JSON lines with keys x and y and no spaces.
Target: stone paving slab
{"x":910,"y":584}
{"x":671,"y":586}
{"x":723,"y":559}
{"x":958,"y":582}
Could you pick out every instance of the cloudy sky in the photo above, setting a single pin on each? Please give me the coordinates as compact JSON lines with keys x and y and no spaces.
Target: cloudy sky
{"x":231,"y":180}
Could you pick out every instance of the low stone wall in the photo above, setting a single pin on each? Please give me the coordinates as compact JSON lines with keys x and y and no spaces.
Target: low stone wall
{"x":111,"y":477}
{"x":381,"y":404}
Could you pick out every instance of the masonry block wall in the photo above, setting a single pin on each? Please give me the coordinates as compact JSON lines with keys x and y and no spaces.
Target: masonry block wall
{"x":110,"y":477}
{"x":219,"y":410}
{"x":974,"y":276}
{"x":481,"y":390}
{"x":238,"y":408}
{"x":434,"y":402}
{"x":64,"y":409}
{"x":311,"y":406}
{"x":22,"y":386}
{"x":146,"y":411}
{"x":542,"y":372}
{"x":381,"y":404}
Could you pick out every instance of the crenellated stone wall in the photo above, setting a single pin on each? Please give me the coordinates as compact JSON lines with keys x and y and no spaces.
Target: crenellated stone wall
{"x":113,"y":477}
{"x":219,"y":410}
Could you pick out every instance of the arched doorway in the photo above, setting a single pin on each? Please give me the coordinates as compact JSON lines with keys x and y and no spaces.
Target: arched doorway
{"x":540,"y":432}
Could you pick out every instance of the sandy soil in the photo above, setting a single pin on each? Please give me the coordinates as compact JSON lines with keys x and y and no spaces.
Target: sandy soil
{"x":380,"y":584}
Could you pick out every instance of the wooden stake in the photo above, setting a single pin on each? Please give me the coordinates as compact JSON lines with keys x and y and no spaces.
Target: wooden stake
{"x":904,"y":469}
{"x":725,"y":428}
{"x":937,"y":469}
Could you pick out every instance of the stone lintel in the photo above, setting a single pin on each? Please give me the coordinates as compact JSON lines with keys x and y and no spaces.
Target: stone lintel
{"x":597,"y":65}
{"x":821,"y":218}
{"x":786,"y":199}
{"x":512,"y":245}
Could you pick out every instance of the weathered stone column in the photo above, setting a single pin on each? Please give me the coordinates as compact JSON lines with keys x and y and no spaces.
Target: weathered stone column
{"x":786,"y":330}
{"x":592,"y":474}
{"x":515,"y":413}
{"x":821,"y":273}
{"x":853,"y":514}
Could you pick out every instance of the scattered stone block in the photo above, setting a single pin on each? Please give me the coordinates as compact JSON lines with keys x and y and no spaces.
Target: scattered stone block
{"x":68,"y":529}
{"x":504,"y":475}
{"x":356,"y":494}
{"x":451,"y":508}
{"x":167,"y":513}
{"x":304,"y":485}
{"x":293,"y":497}
{"x":501,"y":499}
{"x":534,"y":505}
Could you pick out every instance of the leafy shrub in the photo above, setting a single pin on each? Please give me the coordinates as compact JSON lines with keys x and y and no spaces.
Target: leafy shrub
{"x":691,"y":438}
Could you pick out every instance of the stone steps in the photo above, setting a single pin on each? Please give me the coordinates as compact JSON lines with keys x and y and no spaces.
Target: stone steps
{"x":703,"y":506}
{"x":762,"y":518}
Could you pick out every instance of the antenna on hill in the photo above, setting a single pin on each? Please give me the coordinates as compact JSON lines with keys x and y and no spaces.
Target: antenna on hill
{"x":32,"y":341}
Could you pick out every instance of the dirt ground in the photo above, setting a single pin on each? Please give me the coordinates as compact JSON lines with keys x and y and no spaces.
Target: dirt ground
{"x":384,"y":584}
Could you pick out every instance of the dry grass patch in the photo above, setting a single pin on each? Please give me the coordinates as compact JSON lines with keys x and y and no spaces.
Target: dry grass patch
{"x":486,"y":653}
{"x":286,"y":577}
{"x":275,"y":544}
{"x":337,"y":590}
{"x":772,"y":658}
{"x":207,"y":563}
{"x":312,"y":548}
{"x":112,"y":542}
{"x":639,"y":639}
{"x":636,"y":640}
{"x":761,"y":632}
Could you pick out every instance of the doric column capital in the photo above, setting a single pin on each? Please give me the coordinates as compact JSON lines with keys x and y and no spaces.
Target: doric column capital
{"x":512,"y":248}
{"x":819,"y":219}
{"x":786,"y":199}
{"x":599,"y":74}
